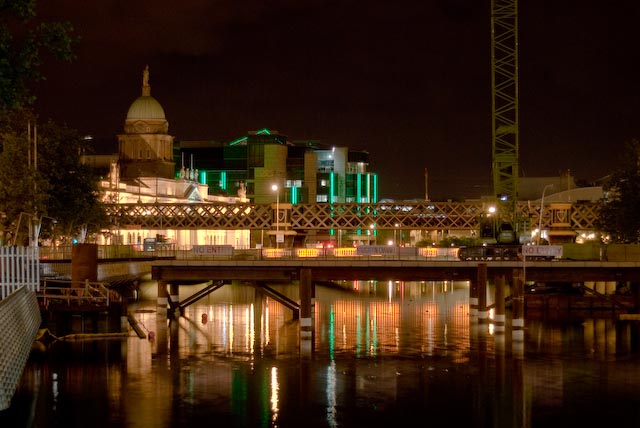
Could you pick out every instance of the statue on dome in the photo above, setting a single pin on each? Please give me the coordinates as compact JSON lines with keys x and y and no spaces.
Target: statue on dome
{"x":145,"y":76}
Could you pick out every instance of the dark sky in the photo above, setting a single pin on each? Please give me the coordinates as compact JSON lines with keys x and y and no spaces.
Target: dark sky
{"x":407,"y":80}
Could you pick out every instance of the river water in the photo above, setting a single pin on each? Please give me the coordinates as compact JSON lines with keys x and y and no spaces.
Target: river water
{"x":385,"y":354}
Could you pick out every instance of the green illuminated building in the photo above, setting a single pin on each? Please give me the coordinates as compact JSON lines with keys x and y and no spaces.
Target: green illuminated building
{"x":306,"y":171}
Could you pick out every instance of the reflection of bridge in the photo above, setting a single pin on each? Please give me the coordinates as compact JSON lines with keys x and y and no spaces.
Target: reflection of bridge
{"x":400,"y":215}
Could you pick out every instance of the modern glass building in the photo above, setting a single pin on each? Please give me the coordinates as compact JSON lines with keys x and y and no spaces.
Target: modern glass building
{"x":305,"y":171}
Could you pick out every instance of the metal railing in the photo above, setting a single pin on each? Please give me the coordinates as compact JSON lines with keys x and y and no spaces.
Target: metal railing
{"x":52,"y":257}
{"x":134,"y":251}
{"x":70,"y":293}
{"x":379,"y":252}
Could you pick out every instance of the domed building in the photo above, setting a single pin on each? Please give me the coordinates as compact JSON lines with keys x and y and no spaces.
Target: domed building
{"x":144,"y":172}
{"x":146,"y":149}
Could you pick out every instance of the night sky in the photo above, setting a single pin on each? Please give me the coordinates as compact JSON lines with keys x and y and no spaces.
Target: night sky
{"x":407,"y":80}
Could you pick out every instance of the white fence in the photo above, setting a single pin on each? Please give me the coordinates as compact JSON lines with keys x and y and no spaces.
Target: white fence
{"x":19,"y":266}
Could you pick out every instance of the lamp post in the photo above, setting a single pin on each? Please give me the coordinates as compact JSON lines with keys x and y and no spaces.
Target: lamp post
{"x":274,"y":187}
{"x":541,"y":211}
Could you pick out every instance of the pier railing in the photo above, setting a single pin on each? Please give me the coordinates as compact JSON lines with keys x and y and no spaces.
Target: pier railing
{"x":84,"y":293}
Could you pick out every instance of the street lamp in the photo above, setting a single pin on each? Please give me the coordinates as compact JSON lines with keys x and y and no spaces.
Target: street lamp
{"x":541,"y":210}
{"x":395,"y":233}
{"x":274,"y":187}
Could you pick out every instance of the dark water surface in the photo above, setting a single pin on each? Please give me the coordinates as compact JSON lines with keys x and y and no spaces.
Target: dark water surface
{"x":385,"y":355}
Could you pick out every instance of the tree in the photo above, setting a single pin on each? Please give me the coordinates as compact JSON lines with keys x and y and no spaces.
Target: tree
{"x":54,"y":183}
{"x":24,"y":42}
{"x":57,"y":186}
{"x":619,"y":211}
{"x":20,"y":186}
{"x":73,"y":197}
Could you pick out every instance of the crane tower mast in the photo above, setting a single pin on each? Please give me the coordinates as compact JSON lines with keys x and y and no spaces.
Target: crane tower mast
{"x":504,"y":80}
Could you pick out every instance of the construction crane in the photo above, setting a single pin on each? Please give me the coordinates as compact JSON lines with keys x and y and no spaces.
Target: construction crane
{"x":499,"y":224}
{"x":504,"y":103}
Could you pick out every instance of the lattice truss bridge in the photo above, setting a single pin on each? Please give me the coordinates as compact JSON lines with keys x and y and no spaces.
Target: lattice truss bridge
{"x":407,"y":216}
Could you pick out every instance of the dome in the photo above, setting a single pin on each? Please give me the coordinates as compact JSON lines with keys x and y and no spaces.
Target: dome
{"x":145,"y":108}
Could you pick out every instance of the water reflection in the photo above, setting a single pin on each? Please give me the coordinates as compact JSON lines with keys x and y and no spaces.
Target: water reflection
{"x":384,"y":353}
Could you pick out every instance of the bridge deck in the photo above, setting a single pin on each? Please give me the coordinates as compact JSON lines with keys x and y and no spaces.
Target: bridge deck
{"x":404,"y":270}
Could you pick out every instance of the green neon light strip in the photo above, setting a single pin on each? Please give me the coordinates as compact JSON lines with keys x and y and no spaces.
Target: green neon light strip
{"x":263,"y":131}
{"x":223,"y":180}
{"x":375,"y":189}
{"x":332,"y":187}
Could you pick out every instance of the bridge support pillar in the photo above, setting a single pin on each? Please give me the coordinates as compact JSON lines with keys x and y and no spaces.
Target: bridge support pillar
{"x":160,"y":338}
{"x":162,"y":300}
{"x":483,"y":313}
{"x":306,"y":315}
{"x":500,"y":316}
{"x":174,"y":297}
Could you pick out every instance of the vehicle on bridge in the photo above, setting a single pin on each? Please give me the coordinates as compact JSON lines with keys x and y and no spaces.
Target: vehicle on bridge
{"x":490,"y":252}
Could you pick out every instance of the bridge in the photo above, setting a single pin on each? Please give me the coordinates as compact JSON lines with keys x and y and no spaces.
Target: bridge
{"x":386,"y":269}
{"x":261,"y":274}
{"x":460,"y":216}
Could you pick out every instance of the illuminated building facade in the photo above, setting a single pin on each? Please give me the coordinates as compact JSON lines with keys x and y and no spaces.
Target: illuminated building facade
{"x":144,"y":170}
{"x":150,"y":167}
{"x":308,"y":171}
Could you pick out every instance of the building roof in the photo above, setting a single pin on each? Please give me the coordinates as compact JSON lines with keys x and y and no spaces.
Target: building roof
{"x":145,"y":108}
